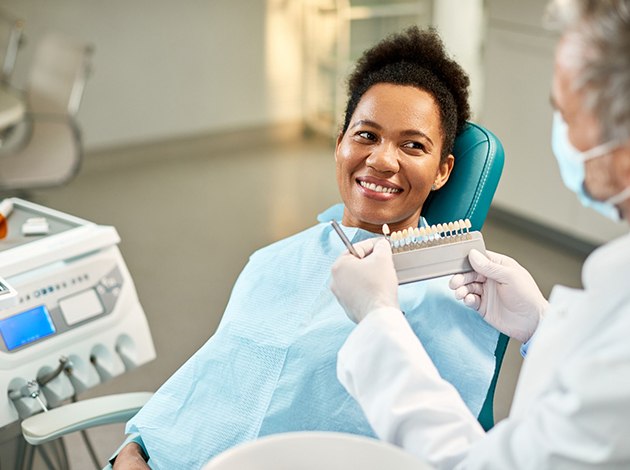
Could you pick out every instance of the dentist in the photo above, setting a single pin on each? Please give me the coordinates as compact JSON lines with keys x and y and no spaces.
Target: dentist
{"x":571,"y":408}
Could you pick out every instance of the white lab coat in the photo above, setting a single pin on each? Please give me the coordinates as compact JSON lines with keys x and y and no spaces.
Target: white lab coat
{"x":571,"y":409}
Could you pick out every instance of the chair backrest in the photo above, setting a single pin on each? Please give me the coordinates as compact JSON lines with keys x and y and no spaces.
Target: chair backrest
{"x":57,"y":75}
{"x":468,"y":193}
{"x":47,"y":150}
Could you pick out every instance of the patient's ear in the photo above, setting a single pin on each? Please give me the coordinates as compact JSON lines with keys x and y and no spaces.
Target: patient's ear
{"x":444,"y":172}
{"x":339,"y":138}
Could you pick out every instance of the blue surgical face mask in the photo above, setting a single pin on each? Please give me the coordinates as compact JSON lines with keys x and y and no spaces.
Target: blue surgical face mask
{"x":571,"y":162}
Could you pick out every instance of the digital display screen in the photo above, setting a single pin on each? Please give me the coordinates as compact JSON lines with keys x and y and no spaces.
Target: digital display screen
{"x":26,"y":327}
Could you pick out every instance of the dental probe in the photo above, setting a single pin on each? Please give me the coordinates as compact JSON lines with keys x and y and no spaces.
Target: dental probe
{"x":344,"y":239}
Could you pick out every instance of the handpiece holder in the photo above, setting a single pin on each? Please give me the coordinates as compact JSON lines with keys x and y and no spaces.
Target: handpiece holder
{"x":444,"y":257}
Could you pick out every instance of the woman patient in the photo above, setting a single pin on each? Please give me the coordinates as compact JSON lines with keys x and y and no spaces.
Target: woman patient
{"x":271,"y":365}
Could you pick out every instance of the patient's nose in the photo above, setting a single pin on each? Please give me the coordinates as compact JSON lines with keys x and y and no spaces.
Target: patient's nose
{"x":384,"y":158}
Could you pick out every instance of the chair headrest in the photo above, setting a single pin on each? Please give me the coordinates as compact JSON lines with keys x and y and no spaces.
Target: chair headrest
{"x":479,"y":159}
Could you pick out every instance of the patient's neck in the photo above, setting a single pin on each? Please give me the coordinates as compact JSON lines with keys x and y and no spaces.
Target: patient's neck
{"x":377,"y":226}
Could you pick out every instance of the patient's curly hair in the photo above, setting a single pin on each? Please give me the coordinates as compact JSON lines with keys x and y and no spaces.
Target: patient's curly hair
{"x":415,"y":58}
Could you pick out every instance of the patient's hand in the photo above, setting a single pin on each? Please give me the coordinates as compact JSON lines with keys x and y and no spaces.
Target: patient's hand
{"x":130,"y":457}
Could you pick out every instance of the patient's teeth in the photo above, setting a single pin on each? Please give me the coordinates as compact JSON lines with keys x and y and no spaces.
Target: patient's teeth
{"x":378,"y":188}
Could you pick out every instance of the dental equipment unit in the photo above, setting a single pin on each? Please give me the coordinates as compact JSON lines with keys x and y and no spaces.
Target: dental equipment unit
{"x":75,"y":320}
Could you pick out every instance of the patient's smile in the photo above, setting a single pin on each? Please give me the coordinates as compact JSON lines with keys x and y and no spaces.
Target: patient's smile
{"x":381,"y":189}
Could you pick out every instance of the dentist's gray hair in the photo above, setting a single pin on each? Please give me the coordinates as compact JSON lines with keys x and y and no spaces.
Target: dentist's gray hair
{"x":602,"y":31}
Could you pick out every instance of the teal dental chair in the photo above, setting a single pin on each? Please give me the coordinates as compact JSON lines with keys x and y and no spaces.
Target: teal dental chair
{"x":468,"y":193}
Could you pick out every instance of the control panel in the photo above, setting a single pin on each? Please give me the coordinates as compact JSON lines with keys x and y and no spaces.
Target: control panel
{"x":76,"y":320}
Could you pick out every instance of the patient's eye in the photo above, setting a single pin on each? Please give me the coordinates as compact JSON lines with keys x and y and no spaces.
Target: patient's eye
{"x":366,"y":135}
{"x":415,"y":147}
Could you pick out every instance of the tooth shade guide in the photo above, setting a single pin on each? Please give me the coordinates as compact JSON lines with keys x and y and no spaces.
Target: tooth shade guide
{"x":433,"y":251}
{"x":413,"y":238}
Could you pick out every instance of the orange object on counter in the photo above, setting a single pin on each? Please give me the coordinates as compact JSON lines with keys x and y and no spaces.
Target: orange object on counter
{"x":6,"y":207}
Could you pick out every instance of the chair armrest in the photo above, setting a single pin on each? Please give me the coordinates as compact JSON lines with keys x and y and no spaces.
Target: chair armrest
{"x":44,"y":427}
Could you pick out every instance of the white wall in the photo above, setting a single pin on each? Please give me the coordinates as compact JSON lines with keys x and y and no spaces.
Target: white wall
{"x":518,"y":69}
{"x":165,"y":69}
{"x":461,"y":24}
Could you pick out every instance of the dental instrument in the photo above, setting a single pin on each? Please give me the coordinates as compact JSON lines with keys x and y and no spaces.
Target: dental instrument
{"x":344,"y":238}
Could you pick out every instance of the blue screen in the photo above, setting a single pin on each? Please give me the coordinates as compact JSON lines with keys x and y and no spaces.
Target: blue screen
{"x":26,"y":327}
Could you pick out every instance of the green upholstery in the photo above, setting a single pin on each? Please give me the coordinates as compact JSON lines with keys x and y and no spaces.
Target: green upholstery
{"x":467,"y":195}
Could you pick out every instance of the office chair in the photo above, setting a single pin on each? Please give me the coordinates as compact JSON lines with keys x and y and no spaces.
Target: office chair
{"x":11,"y":38}
{"x":46,"y":148}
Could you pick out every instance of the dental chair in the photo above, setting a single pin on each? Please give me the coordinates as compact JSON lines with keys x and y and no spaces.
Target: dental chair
{"x":479,"y":161}
{"x":468,"y":193}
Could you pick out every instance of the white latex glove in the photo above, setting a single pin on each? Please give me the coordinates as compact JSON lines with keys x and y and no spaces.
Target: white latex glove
{"x":363,"y":285}
{"x":503,"y":292}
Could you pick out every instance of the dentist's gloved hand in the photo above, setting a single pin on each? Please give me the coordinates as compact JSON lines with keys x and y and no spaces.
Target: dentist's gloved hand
{"x":503,"y":292}
{"x":363,"y":285}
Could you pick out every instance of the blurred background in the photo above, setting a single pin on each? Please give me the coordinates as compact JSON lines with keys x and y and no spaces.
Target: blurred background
{"x":203,"y":130}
